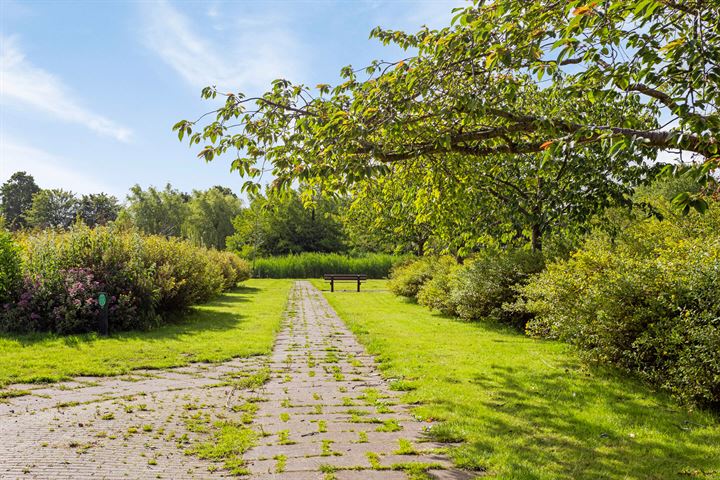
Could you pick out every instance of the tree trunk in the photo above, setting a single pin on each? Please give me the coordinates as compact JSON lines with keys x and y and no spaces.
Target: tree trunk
{"x":536,"y":238}
{"x":421,"y":247}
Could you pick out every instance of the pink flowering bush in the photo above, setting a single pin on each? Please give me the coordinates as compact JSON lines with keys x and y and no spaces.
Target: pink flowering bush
{"x":146,"y":278}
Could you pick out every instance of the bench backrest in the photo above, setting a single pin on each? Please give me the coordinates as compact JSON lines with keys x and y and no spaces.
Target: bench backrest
{"x":345,"y":276}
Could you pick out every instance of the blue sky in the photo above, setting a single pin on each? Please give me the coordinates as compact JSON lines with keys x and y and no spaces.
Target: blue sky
{"x":89,"y":91}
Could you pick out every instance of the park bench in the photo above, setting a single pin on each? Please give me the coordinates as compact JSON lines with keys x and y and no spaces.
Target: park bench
{"x":344,"y":277}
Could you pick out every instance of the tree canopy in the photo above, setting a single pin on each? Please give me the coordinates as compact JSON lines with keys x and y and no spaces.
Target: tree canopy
{"x":16,"y":196}
{"x":507,"y":77}
{"x":210,"y":216}
{"x":279,"y":223}
{"x":52,"y":208}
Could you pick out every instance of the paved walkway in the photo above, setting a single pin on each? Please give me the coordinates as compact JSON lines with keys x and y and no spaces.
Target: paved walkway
{"x":325,"y":414}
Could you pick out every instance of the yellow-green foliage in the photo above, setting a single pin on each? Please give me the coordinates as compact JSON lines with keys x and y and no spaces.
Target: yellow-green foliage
{"x":409,"y":276}
{"x":436,"y":292}
{"x":233,"y":268}
{"x":483,"y":287}
{"x":9,"y":265}
{"x":647,"y":300}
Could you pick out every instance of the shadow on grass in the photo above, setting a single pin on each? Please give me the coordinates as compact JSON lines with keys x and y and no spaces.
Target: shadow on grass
{"x":204,"y":318}
{"x":555,"y":418}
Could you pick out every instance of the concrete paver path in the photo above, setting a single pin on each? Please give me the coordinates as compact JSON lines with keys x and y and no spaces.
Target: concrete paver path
{"x":329,"y":414}
{"x":325,"y":414}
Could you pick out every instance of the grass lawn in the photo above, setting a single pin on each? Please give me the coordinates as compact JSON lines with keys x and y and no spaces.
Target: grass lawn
{"x":528,"y":409}
{"x":240,"y":323}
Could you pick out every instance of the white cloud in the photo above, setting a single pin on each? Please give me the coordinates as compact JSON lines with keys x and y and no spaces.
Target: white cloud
{"x":50,"y":171}
{"x":24,"y":84}
{"x":250,"y":57}
{"x":410,"y":15}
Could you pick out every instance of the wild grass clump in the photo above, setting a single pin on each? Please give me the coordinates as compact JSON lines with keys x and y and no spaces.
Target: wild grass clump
{"x":314,"y":265}
{"x":146,"y":278}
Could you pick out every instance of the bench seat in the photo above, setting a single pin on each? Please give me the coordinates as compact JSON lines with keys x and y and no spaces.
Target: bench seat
{"x":344,"y":277}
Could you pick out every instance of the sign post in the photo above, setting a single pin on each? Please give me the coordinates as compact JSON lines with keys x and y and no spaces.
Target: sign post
{"x":103,"y":323}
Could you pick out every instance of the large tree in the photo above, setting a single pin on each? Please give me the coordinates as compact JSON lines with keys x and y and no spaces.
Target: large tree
{"x":280,"y":223}
{"x":472,"y":90}
{"x":158,"y":212}
{"x":52,"y":208}
{"x":16,"y":196}
{"x":210,"y":217}
{"x":98,"y":209}
{"x":385,"y":215}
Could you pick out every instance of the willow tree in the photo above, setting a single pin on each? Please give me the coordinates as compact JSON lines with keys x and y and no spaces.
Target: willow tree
{"x":626,"y":77}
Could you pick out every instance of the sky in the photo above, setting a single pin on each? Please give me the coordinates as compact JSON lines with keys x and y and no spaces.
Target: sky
{"x":89,"y":91}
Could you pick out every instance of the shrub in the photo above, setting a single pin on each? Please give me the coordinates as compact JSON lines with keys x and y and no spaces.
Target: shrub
{"x":115,"y":259}
{"x":145,"y":278}
{"x":10,"y":269}
{"x":314,"y":265}
{"x":488,"y":284}
{"x":409,"y":276}
{"x":646,"y":301}
{"x":436,"y":293}
{"x":233,"y":268}
{"x":183,"y":273}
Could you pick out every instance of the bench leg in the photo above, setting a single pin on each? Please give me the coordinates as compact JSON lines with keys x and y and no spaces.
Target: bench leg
{"x":332,"y":284}
{"x":358,"y":284}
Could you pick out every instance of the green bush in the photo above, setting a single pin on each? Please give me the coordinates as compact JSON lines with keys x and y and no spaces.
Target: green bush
{"x":436,"y":293}
{"x":10,"y":269}
{"x":183,"y":273}
{"x":234,"y":269}
{"x":314,"y":265}
{"x":407,"y":277}
{"x":646,"y":300}
{"x":486,"y":285}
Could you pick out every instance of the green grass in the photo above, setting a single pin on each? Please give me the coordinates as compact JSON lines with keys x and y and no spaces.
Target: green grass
{"x":313,"y":265}
{"x":240,"y":323}
{"x":525,"y":408}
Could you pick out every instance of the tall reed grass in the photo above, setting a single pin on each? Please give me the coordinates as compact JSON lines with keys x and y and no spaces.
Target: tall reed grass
{"x":314,"y":265}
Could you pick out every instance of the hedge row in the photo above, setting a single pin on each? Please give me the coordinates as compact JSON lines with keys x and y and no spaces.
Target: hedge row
{"x":484,"y":287}
{"x":314,"y":265}
{"x":51,"y":280}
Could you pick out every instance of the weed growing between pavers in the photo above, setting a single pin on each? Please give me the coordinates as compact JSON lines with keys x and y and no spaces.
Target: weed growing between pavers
{"x":284,"y":438}
{"x":326,"y":449}
{"x":391,"y":425}
{"x":5,"y":394}
{"x":281,"y":462}
{"x":230,"y":441}
{"x":405,"y":447}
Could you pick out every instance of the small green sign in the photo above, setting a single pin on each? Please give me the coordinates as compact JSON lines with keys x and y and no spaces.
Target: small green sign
{"x":102,"y":299}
